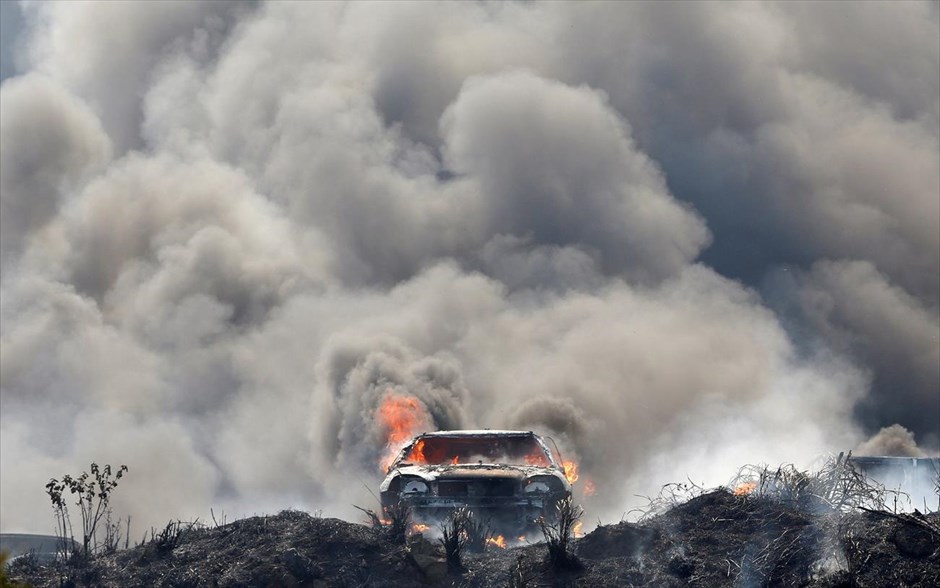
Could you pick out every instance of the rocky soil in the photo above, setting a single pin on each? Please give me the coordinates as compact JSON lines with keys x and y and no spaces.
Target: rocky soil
{"x":716,"y":539}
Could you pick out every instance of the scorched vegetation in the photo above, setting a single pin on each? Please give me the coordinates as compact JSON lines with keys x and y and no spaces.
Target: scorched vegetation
{"x":769,"y":527}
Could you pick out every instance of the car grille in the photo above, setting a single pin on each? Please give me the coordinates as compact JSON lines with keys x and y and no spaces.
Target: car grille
{"x":476,"y":487}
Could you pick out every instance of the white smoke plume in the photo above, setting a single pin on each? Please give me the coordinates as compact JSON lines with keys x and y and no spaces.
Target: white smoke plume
{"x":677,"y":237}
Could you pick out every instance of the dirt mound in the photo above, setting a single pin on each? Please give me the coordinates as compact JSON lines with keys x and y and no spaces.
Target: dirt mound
{"x":716,"y":539}
{"x":288,"y":549}
{"x":885,"y":550}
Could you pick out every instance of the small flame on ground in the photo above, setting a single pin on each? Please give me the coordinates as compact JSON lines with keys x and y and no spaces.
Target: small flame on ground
{"x":498,"y":541}
{"x":402,"y":417}
{"x":745,"y":488}
{"x":571,"y":471}
{"x":577,"y":529}
{"x":589,"y":488}
{"x":419,"y":528}
{"x":455,"y":460}
{"x":521,"y":538}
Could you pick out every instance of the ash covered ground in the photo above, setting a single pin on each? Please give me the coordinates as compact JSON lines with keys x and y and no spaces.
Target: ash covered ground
{"x":714,"y":539}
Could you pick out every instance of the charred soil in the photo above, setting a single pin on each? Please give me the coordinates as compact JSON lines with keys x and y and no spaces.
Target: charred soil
{"x":716,"y":539}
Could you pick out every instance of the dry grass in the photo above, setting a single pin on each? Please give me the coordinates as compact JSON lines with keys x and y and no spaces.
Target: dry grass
{"x":478,"y":532}
{"x":396,"y":524}
{"x":670,"y":496}
{"x":559,"y":534}
{"x":837,"y":485}
{"x":454,"y":538}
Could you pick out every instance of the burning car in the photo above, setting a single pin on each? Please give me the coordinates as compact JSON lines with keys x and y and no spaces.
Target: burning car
{"x":509,"y":477}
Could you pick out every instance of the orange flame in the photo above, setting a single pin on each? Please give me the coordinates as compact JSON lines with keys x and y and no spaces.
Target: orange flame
{"x":498,"y":541}
{"x":417,"y":453}
{"x":419,"y":528}
{"x":589,"y":488}
{"x":537,"y":459}
{"x":521,"y":538}
{"x":402,"y":417}
{"x":571,"y":471}
{"x":577,"y":529}
{"x":745,"y":488}
{"x":454,"y":461}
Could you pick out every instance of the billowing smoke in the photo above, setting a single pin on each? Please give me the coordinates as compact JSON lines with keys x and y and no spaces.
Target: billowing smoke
{"x":893,"y":441}
{"x":676,"y":237}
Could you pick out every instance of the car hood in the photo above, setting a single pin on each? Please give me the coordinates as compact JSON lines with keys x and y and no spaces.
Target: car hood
{"x":464,"y":471}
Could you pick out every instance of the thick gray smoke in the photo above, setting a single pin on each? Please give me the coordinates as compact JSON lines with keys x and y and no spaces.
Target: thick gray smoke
{"x":677,"y":237}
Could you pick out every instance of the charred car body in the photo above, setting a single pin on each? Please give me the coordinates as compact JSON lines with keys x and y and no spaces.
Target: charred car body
{"x":509,"y":477}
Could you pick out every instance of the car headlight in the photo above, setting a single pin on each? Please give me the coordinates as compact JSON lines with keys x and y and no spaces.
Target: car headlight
{"x":543,"y":485}
{"x":537,"y":488}
{"x":414,"y":487}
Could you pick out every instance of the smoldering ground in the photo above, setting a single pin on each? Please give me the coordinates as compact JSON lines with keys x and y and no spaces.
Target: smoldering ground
{"x":679,"y":238}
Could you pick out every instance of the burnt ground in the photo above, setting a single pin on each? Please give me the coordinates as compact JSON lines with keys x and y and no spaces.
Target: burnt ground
{"x":715,"y":539}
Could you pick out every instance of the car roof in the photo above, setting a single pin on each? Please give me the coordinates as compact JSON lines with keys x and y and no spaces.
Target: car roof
{"x":478,"y":433}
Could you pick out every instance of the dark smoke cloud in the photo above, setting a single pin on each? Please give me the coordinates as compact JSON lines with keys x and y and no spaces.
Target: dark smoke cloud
{"x":858,"y":310}
{"x":362,"y":374}
{"x":676,"y":237}
{"x":556,"y":164}
{"x":892,"y":441}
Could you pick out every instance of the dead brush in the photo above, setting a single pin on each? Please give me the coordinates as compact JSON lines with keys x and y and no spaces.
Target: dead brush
{"x":521,"y":576}
{"x":374,"y":521}
{"x":454,"y":538}
{"x":837,"y":485}
{"x":936,"y":487}
{"x":396,"y":523}
{"x":478,"y":532}
{"x":783,"y":483}
{"x":559,"y":534}
{"x":170,"y":537}
{"x":398,"y":519}
{"x":670,"y":496}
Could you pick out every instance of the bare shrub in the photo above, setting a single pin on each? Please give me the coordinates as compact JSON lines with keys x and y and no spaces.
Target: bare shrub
{"x":559,"y":533}
{"x":113,"y":534}
{"x":454,"y":538}
{"x":374,"y":520}
{"x":670,"y":496}
{"x":65,"y":543}
{"x":220,"y":521}
{"x":783,"y":483}
{"x":169,"y":538}
{"x":478,"y":532}
{"x":837,"y":485}
{"x":398,"y":522}
{"x":94,"y":497}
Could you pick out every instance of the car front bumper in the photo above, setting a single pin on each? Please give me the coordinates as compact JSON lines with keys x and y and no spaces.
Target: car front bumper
{"x":504,"y":513}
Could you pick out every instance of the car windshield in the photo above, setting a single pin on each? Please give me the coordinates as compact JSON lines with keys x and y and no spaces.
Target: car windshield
{"x":502,"y":449}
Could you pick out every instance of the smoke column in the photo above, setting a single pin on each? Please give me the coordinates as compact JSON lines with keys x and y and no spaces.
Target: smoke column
{"x":676,"y":237}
